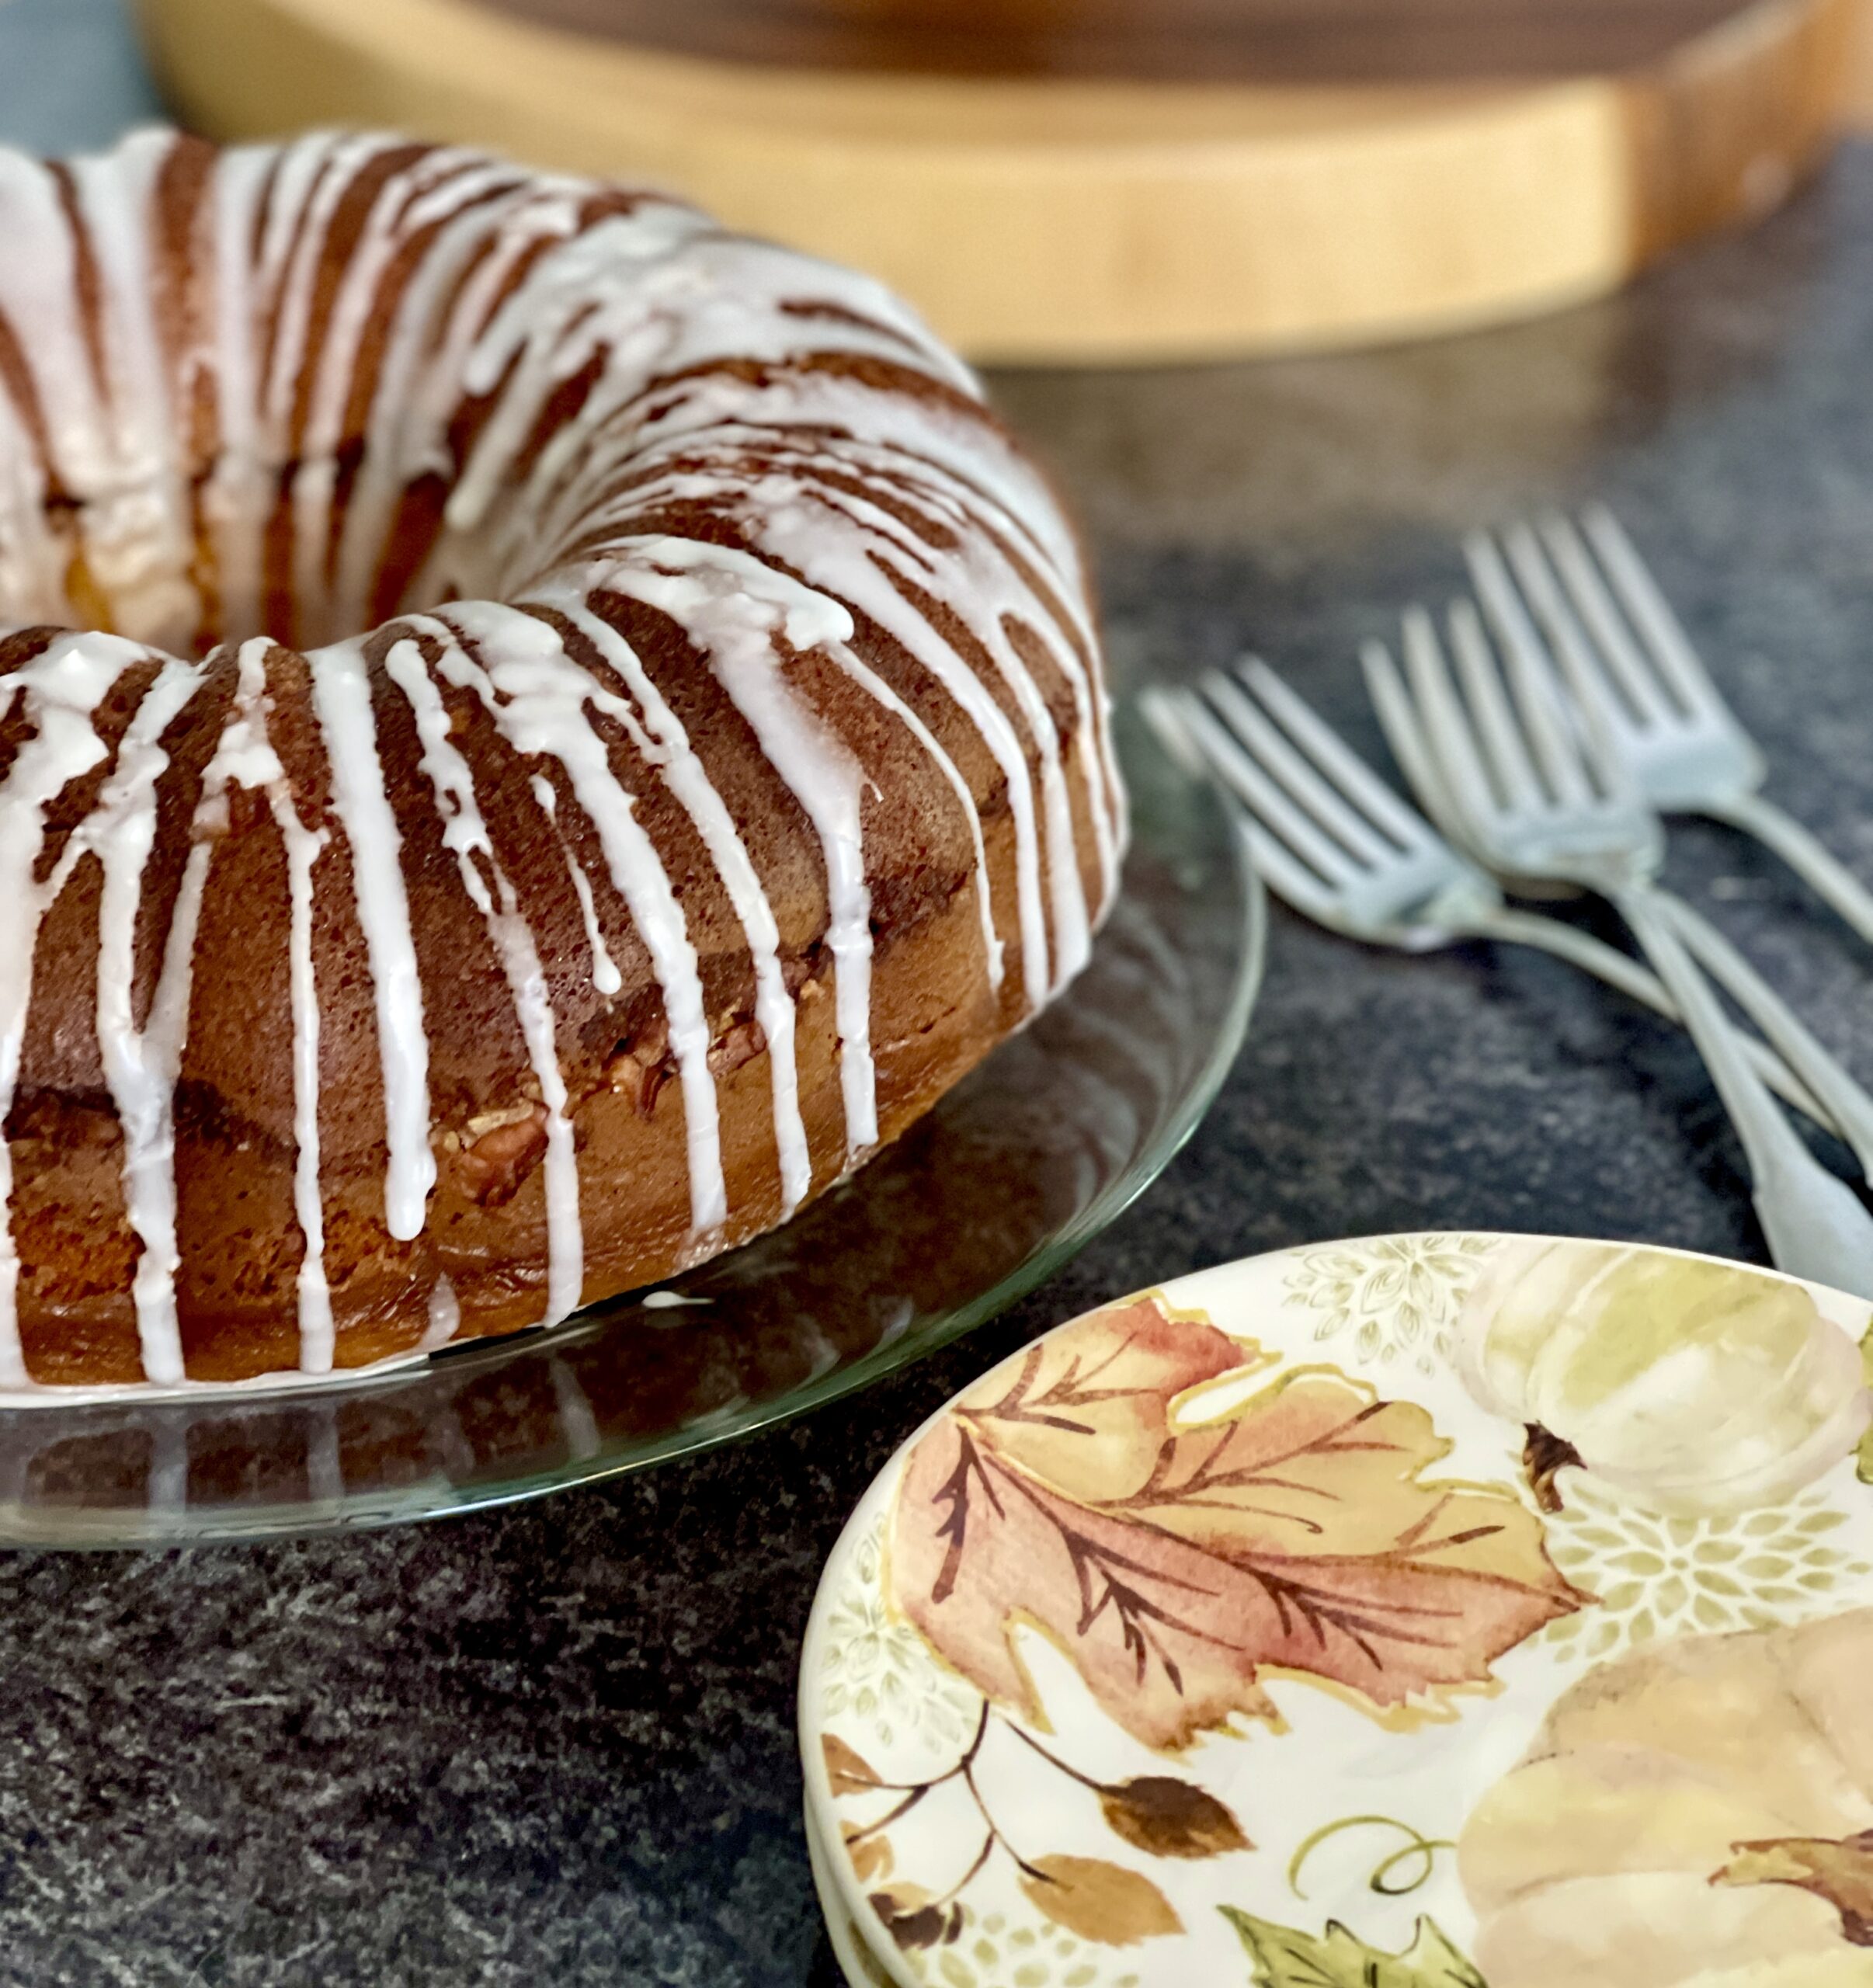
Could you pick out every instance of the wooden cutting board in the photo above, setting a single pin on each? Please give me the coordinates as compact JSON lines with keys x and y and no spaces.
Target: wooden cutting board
{"x":1860,"y":75}
{"x":1260,"y":192}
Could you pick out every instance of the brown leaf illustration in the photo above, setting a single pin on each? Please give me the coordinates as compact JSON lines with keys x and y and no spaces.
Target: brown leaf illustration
{"x":1544,"y":1455}
{"x":846,"y":1768}
{"x":870,"y":1855}
{"x":1167,"y":1817}
{"x":913,"y":1919}
{"x":1840,"y":1872}
{"x":1099,"y":1901}
{"x":1174,"y":1567}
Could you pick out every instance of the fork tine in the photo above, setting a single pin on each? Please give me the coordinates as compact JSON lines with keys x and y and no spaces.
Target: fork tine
{"x":1503,"y":741}
{"x":1231,"y":746}
{"x":1594,"y":735}
{"x":1403,"y":725}
{"x":1569,"y":644}
{"x":1447,"y":729}
{"x":1342,"y":766}
{"x":1650,"y":614}
{"x":1181,"y":719}
{"x":1538,"y":696}
{"x":1258,"y":735}
{"x":1640,"y":698}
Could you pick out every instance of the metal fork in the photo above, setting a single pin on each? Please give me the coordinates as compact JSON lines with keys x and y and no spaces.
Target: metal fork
{"x":1845,"y":1106}
{"x":1512,"y":615}
{"x":1337,"y":843}
{"x":1541,"y":796}
{"x":1682,"y":745}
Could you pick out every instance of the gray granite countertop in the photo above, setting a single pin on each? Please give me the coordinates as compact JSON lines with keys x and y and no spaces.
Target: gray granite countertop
{"x":555,"y":1743}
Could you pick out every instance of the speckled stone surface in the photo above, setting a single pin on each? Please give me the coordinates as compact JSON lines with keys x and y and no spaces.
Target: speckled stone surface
{"x":556,"y":1743}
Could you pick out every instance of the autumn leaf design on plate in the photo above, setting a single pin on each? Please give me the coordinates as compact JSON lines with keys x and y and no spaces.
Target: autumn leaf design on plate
{"x":1167,"y":1817}
{"x":1283,"y":1958}
{"x":848,"y":1772}
{"x":1098,"y":1900}
{"x":1293,"y":1532}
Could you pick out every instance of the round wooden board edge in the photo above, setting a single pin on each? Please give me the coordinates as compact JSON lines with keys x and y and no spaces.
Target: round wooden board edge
{"x":1090,"y":223}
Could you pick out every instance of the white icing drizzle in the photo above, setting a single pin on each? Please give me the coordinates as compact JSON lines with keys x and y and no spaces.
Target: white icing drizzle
{"x":407,"y":201}
{"x":141,"y":1065}
{"x":340,"y":694}
{"x":981,"y":591}
{"x":138,"y":537}
{"x":410,"y":370}
{"x":712,"y":372}
{"x":732,"y":606}
{"x":465,"y":835}
{"x":235,"y":497}
{"x":607,"y":285}
{"x":260,"y":768}
{"x":819,"y":542}
{"x":538,"y":697}
{"x":686,"y":778}
{"x":62,"y":687}
{"x":605,"y":975}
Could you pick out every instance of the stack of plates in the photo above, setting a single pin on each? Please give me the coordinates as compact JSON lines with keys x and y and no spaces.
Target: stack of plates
{"x":1437,"y":1611}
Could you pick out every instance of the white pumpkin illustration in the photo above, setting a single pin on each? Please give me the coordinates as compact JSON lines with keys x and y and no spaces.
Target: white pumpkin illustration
{"x":1642,"y":1841}
{"x":1684,"y":1384}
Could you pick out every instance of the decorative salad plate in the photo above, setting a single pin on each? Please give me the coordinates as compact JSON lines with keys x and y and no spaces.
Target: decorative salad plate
{"x":1435,"y":1611}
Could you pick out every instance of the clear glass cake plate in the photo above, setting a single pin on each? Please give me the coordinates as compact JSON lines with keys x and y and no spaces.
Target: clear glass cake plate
{"x":1010,"y":1174}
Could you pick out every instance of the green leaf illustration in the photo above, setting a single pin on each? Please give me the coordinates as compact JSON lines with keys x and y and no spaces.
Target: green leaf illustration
{"x":1285,"y":1958}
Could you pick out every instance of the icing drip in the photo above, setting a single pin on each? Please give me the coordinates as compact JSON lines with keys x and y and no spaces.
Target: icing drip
{"x":465,"y":835}
{"x":685,"y":775}
{"x":61,"y":687}
{"x":538,"y":695}
{"x":732,"y":606}
{"x":340,"y":694}
{"x":136,"y":534}
{"x":259,"y":767}
{"x":821,"y":542}
{"x":605,"y":975}
{"x":982,"y":594}
{"x":141,"y":1065}
{"x":234,"y":498}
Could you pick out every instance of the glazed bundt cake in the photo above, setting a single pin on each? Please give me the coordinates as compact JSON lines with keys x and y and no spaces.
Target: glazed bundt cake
{"x":535,"y":733}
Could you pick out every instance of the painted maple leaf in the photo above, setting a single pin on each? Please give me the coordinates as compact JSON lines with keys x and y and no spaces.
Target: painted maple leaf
{"x":1291,"y":1530}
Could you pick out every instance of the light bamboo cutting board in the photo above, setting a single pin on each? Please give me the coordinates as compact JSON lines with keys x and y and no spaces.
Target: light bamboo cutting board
{"x":1091,"y":219}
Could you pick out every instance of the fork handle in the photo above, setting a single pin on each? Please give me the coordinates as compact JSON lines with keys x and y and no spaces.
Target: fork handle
{"x":1850,"y":1110}
{"x":1616,"y":969}
{"x":1815,"y":1224}
{"x":1776,"y":829}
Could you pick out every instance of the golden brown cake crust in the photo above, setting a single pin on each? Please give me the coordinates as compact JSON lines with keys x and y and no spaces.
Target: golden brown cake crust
{"x":582,"y":727}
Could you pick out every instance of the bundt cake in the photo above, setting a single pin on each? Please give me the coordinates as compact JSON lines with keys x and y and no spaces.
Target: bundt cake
{"x":535,"y":733}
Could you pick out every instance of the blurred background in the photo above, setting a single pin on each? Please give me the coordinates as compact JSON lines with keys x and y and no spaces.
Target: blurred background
{"x":1105,"y":181}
